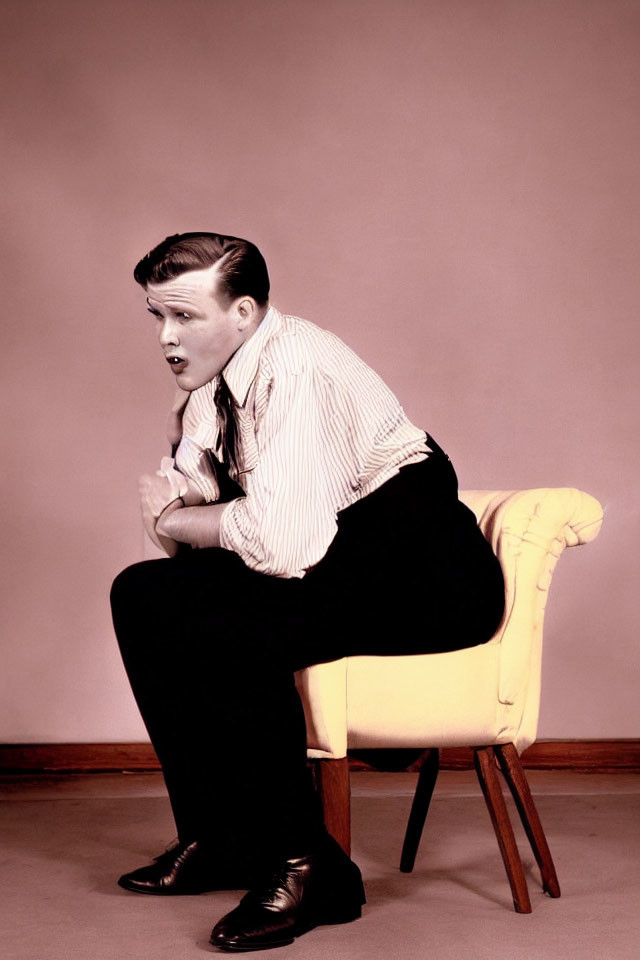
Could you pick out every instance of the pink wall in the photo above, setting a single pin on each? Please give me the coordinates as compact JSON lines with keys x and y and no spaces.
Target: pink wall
{"x":452,"y":187}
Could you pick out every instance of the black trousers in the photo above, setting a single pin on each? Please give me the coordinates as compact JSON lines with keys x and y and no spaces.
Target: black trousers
{"x":210,"y":648}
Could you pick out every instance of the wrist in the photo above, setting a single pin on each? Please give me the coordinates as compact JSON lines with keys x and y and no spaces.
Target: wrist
{"x":191,"y":496}
{"x":161,"y":522}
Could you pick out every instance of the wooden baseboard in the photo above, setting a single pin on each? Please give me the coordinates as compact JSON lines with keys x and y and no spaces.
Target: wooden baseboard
{"x":77,"y":757}
{"x":584,"y":756}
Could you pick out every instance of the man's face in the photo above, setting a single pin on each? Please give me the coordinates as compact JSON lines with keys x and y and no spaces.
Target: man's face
{"x":198,"y":333}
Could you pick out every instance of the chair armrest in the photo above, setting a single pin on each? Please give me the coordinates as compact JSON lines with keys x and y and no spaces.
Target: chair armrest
{"x":577,"y":515}
{"x":528,"y":531}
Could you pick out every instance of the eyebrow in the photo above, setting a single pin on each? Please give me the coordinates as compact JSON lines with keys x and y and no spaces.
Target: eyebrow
{"x":176,"y":307}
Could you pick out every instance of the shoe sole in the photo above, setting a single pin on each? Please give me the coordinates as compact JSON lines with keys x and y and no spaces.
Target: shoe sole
{"x":168,"y":893}
{"x":183,"y":892}
{"x":330,"y":919}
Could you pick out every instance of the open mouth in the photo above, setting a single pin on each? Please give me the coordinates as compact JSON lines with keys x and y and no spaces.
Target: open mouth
{"x":176,"y":363}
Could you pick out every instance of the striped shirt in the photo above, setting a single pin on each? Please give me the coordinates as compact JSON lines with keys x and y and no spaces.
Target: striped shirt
{"x":316,"y":431}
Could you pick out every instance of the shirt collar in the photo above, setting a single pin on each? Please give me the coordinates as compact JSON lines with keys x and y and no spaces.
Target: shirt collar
{"x":241,"y":370}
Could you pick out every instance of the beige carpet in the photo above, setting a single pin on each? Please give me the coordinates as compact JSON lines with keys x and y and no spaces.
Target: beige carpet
{"x":66,"y":840}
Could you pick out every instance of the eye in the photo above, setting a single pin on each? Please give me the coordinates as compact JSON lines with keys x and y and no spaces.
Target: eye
{"x":154,"y":313}
{"x":181,"y":315}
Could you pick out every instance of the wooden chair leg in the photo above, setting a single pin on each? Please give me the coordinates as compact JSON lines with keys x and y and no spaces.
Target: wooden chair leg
{"x":332,"y":784}
{"x":515,"y":776}
{"x":487,"y":772}
{"x":419,"y":810}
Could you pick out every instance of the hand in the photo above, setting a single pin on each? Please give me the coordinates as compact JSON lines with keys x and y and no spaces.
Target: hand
{"x":156,"y":493}
{"x":174,"y":420}
{"x":151,"y":522}
{"x":168,"y":544}
{"x":151,"y":498}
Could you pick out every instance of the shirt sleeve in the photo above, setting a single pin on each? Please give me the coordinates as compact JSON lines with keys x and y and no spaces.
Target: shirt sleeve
{"x":286,"y":521}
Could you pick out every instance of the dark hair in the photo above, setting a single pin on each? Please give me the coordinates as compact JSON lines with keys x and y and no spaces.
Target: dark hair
{"x":243,"y":273}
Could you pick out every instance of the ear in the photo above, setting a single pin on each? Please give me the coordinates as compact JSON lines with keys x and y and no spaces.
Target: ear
{"x":246,"y":312}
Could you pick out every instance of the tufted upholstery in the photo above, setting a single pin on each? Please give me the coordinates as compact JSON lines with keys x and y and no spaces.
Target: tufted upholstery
{"x":488,"y":694}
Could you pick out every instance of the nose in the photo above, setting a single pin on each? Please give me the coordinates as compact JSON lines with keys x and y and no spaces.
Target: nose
{"x":168,"y":333}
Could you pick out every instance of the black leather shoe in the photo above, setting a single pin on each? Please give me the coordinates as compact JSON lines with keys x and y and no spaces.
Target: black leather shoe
{"x":324,"y":887}
{"x":182,"y":869}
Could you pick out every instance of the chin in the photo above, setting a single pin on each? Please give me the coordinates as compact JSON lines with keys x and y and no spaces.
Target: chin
{"x":187,"y":382}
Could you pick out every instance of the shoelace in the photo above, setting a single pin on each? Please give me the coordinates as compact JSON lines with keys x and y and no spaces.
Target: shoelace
{"x":269,"y":893}
{"x":169,"y":852}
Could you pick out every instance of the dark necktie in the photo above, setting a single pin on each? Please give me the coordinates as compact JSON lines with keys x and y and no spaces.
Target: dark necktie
{"x":226,"y":418}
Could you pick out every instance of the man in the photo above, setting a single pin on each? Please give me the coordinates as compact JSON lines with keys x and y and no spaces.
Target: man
{"x":306,"y":519}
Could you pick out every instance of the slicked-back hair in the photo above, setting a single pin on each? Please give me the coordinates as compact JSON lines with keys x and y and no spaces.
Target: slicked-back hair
{"x":243,"y":272}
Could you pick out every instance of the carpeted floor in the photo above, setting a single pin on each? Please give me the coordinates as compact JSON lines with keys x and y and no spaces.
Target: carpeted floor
{"x":65,"y":841}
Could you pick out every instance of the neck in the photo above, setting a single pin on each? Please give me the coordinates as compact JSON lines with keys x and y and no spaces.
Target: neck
{"x":261,"y":313}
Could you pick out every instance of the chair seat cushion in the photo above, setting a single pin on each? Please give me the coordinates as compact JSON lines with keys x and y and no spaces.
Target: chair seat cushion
{"x":426,"y":700}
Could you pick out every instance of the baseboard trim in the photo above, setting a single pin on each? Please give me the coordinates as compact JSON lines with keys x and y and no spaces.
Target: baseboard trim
{"x":77,"y":757}
{"x":584,"y":756}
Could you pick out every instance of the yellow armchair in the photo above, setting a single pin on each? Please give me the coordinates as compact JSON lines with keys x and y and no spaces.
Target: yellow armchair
{"x":485,"y":697}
